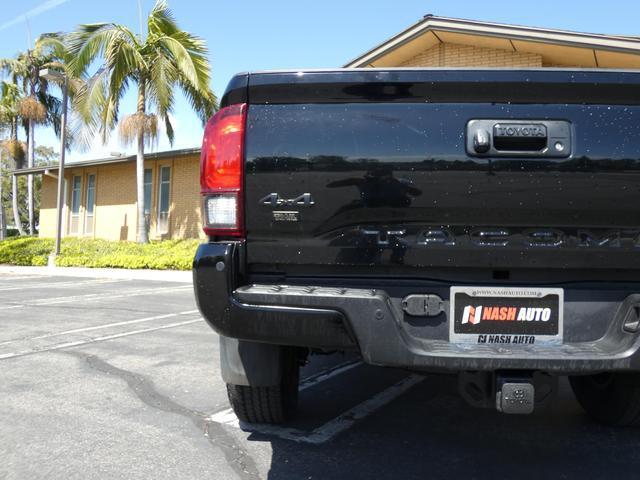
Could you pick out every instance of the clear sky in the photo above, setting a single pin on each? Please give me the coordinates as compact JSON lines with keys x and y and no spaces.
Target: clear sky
{"x":257,"y":34}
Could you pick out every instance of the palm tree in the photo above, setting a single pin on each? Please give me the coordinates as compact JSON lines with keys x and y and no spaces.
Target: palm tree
{"x":167,"y":58}
{"x":36,"y":105}
{"x":9,"y":116}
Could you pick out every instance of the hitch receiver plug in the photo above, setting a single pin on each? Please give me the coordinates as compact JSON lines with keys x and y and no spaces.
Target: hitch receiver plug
{"x":423,"y":305}
{"x":515,"y":398}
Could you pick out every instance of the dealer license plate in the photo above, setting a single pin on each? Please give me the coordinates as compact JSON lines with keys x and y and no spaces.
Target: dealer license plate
{"x":506,"y":315}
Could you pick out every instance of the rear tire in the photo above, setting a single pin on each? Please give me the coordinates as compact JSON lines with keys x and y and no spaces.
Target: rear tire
{"x":272,"y":404}
{"x":609,"y":398}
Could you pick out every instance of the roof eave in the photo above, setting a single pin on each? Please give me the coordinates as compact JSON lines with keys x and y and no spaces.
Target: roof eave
{"x":513,"y":32}
{"x":107,"y":161}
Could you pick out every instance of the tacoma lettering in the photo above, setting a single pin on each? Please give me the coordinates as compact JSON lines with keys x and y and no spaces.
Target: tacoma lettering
{"x":504,"y":237}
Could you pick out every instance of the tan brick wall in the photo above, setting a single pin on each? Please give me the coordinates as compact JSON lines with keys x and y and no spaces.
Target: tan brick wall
{"x":185,"y":217}
{"x":48,"y":199}
{"x":454,"y":55}
{"x":432,"y":57}
{"x":115,"y":211}
{"x":115,"y":214}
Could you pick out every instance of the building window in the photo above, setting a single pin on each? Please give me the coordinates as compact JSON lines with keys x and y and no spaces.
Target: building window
{"x":76,"y":189}
{"x":163,"y":199}
{"x":90,"y":205}
{"x":148,"y":188}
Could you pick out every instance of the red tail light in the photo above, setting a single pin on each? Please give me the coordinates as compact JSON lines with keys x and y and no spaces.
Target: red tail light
{"x":221,"y":171}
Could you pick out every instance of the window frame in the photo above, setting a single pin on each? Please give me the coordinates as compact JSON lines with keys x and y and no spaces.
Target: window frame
{"x":77,"y":214}
{"x":148,"y":206}
{"x":93,"y":204}
{"x":159,"y":212}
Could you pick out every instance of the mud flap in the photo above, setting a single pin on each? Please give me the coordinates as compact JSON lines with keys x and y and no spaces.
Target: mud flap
{"x":250,"y":363}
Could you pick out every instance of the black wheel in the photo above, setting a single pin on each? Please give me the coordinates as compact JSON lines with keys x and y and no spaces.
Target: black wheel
{"x":273,"y":404}
{"x":610,"y":398}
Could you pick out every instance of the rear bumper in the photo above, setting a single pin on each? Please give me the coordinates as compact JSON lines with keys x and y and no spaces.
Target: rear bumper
{"x":373,"y":323}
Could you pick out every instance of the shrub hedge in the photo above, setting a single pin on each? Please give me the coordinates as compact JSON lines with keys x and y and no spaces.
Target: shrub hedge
{"x":80,"y":252}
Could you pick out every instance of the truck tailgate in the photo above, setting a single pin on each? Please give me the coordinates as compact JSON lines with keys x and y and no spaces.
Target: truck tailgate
{"x":379,"y":174}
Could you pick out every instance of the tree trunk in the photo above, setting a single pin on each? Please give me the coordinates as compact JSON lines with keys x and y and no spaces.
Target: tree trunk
{"x":31,"y":155}
{"x":143,"y":234}
{"x":30,"y":164}
{"x":14,"y":183}
{"x":14,"y":204}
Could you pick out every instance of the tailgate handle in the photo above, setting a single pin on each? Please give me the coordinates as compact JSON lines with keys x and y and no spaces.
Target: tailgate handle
{"x":529,"y":137}
{"x":518,"y":138}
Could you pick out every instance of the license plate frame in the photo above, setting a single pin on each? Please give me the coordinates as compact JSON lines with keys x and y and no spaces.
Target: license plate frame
{"x":469,"y":324}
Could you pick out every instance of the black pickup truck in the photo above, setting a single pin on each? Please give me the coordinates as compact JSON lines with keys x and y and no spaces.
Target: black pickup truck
{"x":478,"y":222}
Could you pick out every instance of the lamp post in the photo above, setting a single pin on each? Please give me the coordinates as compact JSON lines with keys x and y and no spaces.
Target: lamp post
{"x":63,"y":81}
{"x":3,"y":218}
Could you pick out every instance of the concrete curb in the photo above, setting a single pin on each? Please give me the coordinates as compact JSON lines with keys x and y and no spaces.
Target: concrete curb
{"x":114,"y":273}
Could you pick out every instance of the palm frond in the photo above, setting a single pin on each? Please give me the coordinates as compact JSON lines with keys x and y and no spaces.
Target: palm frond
{"x":160,"y":85}
{"x":88,"y":103}
{"x":132,"y":126}
{"x":109,"y":117}
{"x":161,"y":20}
{"x":30,"y":108}
{"x":10,"y":96}
{"x":53,"y":109}
{"x":12,"y":66}
{"x":203,"y":103}
{"x":182,"y":57}
{"x":123,"y":61}
{"x":168,"y":126}
{"x":52,"y":45}
{"x":16,"y":151}
{"x":89,"y":95}
{"x":91,"y":41}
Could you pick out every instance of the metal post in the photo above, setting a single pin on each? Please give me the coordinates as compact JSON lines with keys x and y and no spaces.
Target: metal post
{"x":3,"y":217}
{"x":63,"y":133}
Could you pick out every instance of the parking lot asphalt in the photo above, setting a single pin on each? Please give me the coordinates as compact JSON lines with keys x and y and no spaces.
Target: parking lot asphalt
{"x":116,"y":378}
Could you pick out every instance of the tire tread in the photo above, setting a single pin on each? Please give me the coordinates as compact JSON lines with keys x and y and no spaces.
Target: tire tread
{"x":616,"y":404}
{"x":257,"y":404}
{"x":271,"y":404}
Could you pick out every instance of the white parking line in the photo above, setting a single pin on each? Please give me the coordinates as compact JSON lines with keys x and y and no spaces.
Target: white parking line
{"x":327,"y":374}
{"x":59,"y":284}
{"x":99,"y":327}
{"x":343,"y":422}
{"x":9,"y":278}
{"x":95,"y":340}
{"x":333,"y":427}
{"x":117,"y":324}
{"x":96,"y":296}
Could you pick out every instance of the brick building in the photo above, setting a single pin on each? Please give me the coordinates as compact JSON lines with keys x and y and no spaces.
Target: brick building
{"x":100,"y":199}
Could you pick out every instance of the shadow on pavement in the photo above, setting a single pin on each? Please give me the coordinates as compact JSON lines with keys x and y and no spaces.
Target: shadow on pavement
{"x":431,"y":433}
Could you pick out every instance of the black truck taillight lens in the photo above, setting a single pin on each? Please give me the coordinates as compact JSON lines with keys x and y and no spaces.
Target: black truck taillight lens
{"x":221,"y":171}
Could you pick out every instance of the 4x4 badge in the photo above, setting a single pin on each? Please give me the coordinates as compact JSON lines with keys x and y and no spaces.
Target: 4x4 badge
{"x":275,"y":200}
